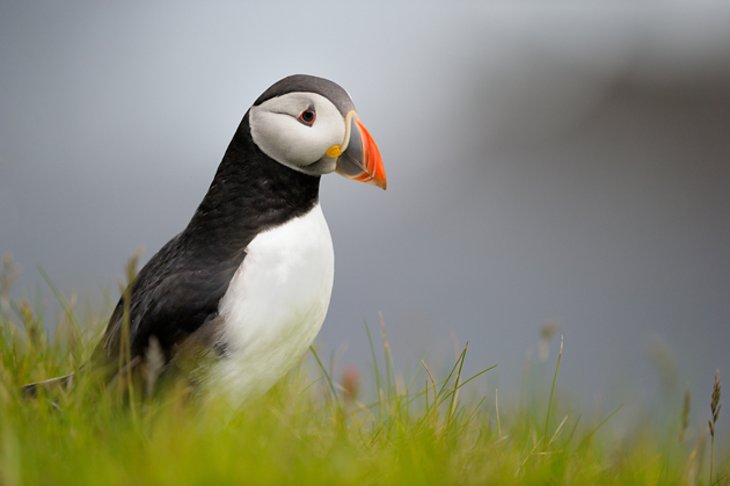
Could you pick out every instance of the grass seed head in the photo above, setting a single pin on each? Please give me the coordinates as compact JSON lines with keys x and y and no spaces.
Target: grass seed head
{"x":685,"y":414}
{"x":350,"y":383}
{"x":715,"y":404}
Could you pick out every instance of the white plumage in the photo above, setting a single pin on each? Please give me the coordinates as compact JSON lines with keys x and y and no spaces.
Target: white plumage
{"x":275,"y":305}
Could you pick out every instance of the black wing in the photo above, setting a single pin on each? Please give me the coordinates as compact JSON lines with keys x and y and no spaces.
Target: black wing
{"x":175,"y":293}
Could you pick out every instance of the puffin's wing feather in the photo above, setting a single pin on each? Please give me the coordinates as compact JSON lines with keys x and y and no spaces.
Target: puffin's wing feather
{"x":171,"y":298}
{"x":181,"y":303}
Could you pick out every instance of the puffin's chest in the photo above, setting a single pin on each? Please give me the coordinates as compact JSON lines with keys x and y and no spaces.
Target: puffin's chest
{"x":275,"y":304}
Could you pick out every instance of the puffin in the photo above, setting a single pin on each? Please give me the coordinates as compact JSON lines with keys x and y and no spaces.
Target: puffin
{"x":235,"y":299}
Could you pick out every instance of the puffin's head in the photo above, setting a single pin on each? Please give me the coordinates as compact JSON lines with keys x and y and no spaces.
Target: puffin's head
{"x":309,"y":124}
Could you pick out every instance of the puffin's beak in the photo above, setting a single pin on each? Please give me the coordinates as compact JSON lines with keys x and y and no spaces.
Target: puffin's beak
{"x":360,"y":160}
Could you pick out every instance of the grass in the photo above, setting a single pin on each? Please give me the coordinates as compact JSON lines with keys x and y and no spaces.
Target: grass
{"x":312,"y":428}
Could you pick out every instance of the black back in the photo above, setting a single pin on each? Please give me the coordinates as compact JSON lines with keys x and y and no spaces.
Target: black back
{"x":179,"y":289}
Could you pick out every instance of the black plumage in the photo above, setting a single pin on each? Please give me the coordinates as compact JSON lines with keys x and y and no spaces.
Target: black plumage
{"x":311,"y":84}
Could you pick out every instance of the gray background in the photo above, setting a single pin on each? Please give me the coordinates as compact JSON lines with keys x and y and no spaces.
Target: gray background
{"x":563,"y":164}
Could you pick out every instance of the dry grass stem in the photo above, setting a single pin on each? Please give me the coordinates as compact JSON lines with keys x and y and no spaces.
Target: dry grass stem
{"x":684,"y":419}
{"x":715,"y":406}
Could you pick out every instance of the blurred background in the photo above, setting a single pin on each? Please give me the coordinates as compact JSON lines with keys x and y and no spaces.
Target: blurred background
{"x":562,"y":167}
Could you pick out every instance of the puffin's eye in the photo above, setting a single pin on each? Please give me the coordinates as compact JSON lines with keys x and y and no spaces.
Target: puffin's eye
{"x":308,"y":116}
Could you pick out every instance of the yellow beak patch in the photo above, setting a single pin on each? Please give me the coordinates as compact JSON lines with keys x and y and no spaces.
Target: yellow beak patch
{"x":334,"y":151}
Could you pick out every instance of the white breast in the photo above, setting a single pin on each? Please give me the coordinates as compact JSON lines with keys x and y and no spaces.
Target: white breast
{"x":275,"y":305}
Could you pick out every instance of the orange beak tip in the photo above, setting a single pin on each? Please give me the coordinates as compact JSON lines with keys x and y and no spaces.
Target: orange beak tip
{"x":361,"y":160}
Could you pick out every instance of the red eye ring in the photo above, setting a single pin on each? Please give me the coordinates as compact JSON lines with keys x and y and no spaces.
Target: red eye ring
{"x":308,"y":117}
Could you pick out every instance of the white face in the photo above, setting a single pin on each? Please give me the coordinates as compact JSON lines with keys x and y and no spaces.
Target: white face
{"x":283,"y":129}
